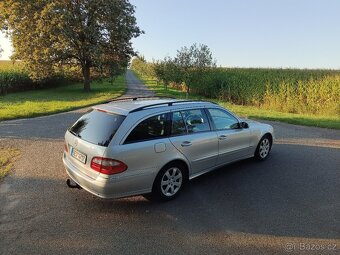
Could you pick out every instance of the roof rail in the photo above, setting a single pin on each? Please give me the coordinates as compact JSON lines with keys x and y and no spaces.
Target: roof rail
{"x":136,"y":98}
{"x":166,"y":103}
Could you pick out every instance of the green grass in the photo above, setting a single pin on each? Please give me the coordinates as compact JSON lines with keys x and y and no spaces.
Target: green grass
{"x":7,"y":157}
{"x":65,"y":98}
{"x":252,"y":111}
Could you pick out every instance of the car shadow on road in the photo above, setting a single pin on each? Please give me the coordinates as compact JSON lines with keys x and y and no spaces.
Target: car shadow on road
{"x":293,"y":193}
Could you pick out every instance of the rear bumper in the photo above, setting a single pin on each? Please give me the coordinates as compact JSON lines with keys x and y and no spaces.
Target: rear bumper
{"x":114,"y":187}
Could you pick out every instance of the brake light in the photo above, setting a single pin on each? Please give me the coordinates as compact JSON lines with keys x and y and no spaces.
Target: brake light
{"x":107,"y":165}
{"x":100,"y":110}
{"x":65,"y":147}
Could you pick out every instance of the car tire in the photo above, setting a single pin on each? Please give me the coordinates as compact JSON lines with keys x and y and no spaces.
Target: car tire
{"x":263,"y":148}
{"x":169,"y":182}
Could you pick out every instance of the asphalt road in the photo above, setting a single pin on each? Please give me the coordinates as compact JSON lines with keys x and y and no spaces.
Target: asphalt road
{"x":289,"y":203}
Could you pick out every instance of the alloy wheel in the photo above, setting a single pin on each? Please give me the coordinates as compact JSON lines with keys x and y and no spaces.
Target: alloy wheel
{"x":171,"y":181}
{"x":264,"y":148}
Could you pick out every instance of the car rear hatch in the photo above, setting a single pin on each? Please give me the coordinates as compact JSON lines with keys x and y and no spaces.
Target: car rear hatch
{"x":89,"y":137}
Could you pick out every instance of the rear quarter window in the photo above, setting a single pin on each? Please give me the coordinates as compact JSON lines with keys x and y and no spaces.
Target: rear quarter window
{"x":97,"y":127}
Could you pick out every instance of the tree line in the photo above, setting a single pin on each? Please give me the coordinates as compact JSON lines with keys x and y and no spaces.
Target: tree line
{"x":188,"y":66}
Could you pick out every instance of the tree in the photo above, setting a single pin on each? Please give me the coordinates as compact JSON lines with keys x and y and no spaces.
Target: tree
{"x":192,"y":62}
{"x":143,"y":68}
{"x":91,"y":34}
{"x":167,"y":71}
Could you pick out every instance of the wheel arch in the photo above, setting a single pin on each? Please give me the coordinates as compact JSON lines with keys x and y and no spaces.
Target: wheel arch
{"x":270,"y":136}
{"x":174,"y":161}
{"x":178,"y":161}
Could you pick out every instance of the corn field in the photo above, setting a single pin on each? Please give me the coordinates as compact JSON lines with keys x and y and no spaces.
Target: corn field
{"x":13,"y":77}
{"x":285,"y":90}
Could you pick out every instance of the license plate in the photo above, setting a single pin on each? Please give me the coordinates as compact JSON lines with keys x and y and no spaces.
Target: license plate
{"x":78,"y":155}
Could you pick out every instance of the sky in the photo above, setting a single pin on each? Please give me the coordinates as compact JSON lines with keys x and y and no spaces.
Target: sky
{"x":241,"y":33}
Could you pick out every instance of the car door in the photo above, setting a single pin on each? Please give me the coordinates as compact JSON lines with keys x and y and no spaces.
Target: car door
{"x":233,"y":141}
{"x":191,"y":134}
{"x":145,"y":149}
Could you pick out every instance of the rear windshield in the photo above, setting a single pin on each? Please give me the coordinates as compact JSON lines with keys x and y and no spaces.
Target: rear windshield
{"x":97,"y":127}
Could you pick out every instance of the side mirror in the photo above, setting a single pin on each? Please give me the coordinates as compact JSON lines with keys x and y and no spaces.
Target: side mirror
{"x":244,"y":124}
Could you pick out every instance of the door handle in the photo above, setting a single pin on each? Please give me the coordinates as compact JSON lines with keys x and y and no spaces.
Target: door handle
{"x":186,"y":143}
{"x":222,"y":137}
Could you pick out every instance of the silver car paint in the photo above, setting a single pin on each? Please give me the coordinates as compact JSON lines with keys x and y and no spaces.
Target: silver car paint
{"x":145,"y":159}
{"x":233,"y":144}
{"x":91,"y":150}
{"x":203,"y":151}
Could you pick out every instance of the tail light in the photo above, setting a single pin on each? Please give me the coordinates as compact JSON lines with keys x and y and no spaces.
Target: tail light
{"x":107,"y":165}
{"x":65,"y":147}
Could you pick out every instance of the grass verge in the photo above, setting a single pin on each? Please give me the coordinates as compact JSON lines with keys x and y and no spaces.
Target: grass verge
{"x":7,"y":157}
{"x":65,"y":98}
{"x":252,"y":111}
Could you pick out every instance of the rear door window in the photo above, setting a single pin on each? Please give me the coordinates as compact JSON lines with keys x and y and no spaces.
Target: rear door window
{"x":178,"y":125}
{"x":150,"y":128}
{"x":97,"y":127}
{"x":195,"y":120}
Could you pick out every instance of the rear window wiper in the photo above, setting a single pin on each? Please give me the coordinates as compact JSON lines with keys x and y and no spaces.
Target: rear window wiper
{"x":73,"y":133}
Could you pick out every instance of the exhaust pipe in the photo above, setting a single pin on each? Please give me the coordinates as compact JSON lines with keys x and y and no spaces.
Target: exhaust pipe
{"x":73,"y":185}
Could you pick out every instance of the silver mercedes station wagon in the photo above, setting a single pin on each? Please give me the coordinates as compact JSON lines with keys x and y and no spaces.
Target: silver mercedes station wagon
{"x":154,"y":146}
